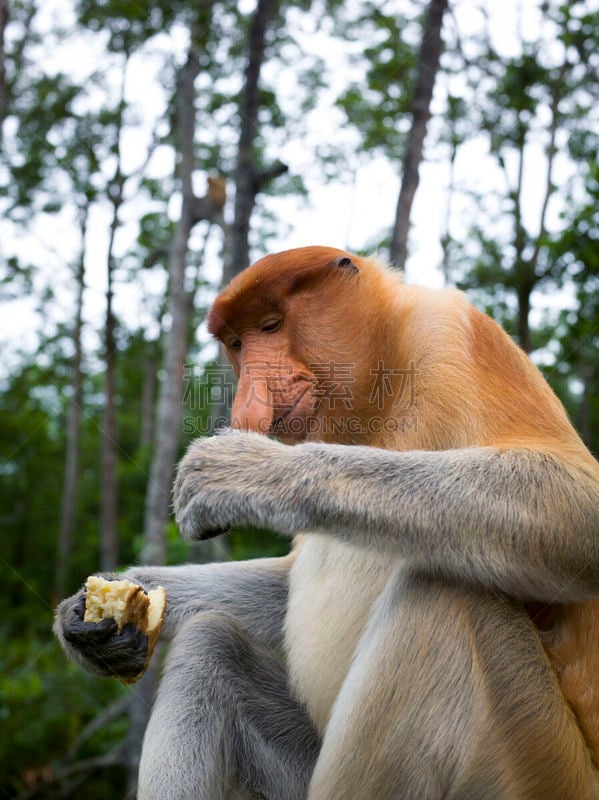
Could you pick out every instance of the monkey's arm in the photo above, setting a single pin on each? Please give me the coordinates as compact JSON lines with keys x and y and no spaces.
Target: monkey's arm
{"x":521,"y":521}
{"x":254,"y":593}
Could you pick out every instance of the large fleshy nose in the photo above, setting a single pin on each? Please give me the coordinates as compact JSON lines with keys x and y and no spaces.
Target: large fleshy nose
{"x":253,"y":407}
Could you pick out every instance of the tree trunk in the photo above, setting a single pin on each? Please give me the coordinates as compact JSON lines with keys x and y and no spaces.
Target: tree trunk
{"x":248,"y":179}
{"x":4,"y":15}
{"x":446,"y":240}
{"x":428,"y":65}
{"x":140,"y":706}
{"x":71,"y":471}
{"x":109,"y":487}
{"x":524,"y":291}
{"x":170,"y":393}
{"x":170,"y":396}
{"x":585,"y":411}
{"x":526,"y":272}
{"x":170,"y":399}
{"x":148,"y":392}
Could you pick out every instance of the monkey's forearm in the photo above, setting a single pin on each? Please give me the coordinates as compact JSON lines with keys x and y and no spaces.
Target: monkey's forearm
{"x":517,"y":520}
{"x":253,"y":592}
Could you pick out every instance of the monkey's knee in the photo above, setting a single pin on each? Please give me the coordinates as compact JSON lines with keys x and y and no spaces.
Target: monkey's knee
{"x":186,"y":751}
{"x":224,"y":721}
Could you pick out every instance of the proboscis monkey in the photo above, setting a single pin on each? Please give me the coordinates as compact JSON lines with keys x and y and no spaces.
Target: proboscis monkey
{"x":434,"y":632}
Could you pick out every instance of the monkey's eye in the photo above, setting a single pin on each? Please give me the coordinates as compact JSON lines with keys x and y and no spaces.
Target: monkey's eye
{"x":235,"y":344}
{"x":270,"y":326}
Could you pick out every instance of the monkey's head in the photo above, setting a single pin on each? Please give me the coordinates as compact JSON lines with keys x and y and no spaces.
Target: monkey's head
{"x":302,"y":331}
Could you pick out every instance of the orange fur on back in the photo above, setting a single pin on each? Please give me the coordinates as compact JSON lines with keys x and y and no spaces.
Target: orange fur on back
{"x":508,"y":404}
{"x":519,"y":399}
{"x":571,"y":645}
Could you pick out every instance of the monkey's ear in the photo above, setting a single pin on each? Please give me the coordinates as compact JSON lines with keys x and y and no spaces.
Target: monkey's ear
{"x":344,"y":262}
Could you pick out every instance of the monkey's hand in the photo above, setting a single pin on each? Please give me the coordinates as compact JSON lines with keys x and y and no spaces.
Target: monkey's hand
{"x":228,"y":480}
{"x":98,"y":646}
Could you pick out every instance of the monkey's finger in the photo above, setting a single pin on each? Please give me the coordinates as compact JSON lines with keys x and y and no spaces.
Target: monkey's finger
{"x":76,"y":630}
{"x":128,"y":653}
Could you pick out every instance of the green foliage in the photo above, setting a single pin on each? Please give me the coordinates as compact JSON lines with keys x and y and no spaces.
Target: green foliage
{"x":378,"y":106}
{"x":530,"y":105}
{"x":575,"y":252}
{"x":44,"y":703}
{"x":131,"y":24}
{"x":249,"y":542}
{"x":155,"y":233}
{"x":41,"y":108}
{"x":15,"y":280}
{"x":58,"y":161}
{"x":30,"y":459}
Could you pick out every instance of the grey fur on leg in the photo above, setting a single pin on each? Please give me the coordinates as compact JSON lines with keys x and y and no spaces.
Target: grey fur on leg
{"x":224,"y":724}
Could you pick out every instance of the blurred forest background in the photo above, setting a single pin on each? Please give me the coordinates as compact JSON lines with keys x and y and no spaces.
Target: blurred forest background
{"x":122,"y":125}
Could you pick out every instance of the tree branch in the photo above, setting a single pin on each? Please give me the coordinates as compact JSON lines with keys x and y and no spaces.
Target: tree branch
{"x":551,"y":151}
{"x":4,"y":16}
{"x":245,"y":173}
{"x":61,"y":774}
{"x":269,"y":174}
{"x":114,"y":710}
{"x":428,"y":64}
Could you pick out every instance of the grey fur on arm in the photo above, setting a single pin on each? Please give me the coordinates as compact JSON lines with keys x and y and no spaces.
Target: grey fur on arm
{"x":519,"y":521}
{"x":254,"y":593}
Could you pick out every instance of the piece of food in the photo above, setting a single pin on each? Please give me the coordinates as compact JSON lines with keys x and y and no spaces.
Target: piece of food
{"x":126,"y":602}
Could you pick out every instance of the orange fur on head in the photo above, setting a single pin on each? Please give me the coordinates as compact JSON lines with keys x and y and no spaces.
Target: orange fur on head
{"x":323,"y":296}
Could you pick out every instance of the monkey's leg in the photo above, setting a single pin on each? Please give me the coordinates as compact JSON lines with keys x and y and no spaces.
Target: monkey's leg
{"x":224,"y":724}
{"x":450,"y":696}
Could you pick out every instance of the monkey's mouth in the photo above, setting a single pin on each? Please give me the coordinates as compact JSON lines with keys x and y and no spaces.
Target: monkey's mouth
{"x":290,"y":419}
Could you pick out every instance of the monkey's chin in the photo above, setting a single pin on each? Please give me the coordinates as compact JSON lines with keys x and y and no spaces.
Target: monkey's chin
{"x":298,"y":423}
